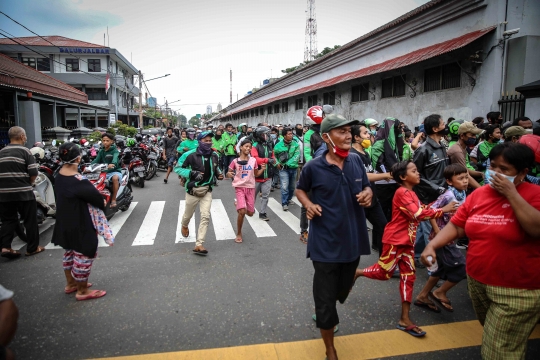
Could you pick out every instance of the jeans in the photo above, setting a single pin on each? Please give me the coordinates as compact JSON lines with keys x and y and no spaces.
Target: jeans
{"x":9,"y":213}
{"x":288,"y":184}
{"x":264,"y":188}
{"x":422,"y":238}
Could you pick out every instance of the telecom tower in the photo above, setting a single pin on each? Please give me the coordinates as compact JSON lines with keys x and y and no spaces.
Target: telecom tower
{"x":311,"y":32}
{"x":231,"y":88}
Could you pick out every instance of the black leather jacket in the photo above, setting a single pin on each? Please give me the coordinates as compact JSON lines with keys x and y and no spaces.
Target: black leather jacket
{"x":431,"y":160}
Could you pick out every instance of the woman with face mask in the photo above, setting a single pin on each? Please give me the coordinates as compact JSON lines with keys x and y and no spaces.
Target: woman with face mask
{"x":501,"y":220}
{"x":374,"y":213}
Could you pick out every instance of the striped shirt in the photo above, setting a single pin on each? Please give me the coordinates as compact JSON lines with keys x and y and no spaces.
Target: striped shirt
{"x":17,"y":165}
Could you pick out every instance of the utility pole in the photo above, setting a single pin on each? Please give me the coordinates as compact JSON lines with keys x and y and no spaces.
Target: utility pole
{"x":167,"y":111}
{"x":140,"y":101}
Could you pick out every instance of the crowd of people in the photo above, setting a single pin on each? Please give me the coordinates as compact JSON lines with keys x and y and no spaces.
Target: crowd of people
{"x":458,"y":197}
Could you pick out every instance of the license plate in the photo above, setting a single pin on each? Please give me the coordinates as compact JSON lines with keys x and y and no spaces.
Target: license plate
{"x":152,"y":156}
{"x":139,"y":168}
{"x":92,"y":176}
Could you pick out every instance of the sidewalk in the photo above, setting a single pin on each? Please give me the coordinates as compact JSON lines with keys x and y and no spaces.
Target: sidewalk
{"x":359,"y":346}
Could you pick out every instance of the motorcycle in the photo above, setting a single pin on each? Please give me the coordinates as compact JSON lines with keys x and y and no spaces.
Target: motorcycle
{"x":97,"y":175}
{"x":135,"y":167}
{"x":46,"y":201}
{"x":152,"y":165}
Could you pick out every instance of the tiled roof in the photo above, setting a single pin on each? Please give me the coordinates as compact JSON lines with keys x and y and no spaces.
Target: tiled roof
{"x":55,"y":39}
{"x":392,"y":64}
{"x":16,"y":75}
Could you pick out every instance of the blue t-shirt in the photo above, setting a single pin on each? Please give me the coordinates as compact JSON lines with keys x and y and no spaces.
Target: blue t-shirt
{"x":340,"y":234}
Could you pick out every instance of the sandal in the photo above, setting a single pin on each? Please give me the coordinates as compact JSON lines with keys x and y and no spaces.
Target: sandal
{"x":185,"y":231}
{"x":446,"y":305}
{"x":94,"y":294}
{"x":38,"y":250}
{"x":113,"y":204}
{"x":427,"y":305}
{"x":200,"y":252}
{"x":304,"y":237}
{"x":74,"y":289}
{"x":410,"y":330}
{"x":238,"y":240}
{"x":11,"y":254}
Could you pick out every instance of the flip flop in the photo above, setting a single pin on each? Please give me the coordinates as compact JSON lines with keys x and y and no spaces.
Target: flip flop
{"x":113,"y":204}
{"x":38,"y":250}
{"x":200,"y":252}
{"x":74,"y":289}
{"x":446,"y":305}
{"x":94,"y":294}
{"x":11,"y":254}
{"x":409,"y":330}
{"x":186,"y":233}
{"x":238,"y":240}
{"x":336,"y":328}
{"x":427,"y":306}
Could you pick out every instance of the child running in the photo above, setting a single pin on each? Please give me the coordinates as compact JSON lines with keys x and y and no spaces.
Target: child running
{"x":398,"y":240}
{"x":450,"y":260}
{"x":244,"y":170}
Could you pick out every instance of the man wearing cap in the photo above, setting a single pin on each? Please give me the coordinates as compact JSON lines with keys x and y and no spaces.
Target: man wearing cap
{"x":337,"y":231}
{"x":200,"y":167}
{"x":514,"y":133}
{"x":467,"y":133}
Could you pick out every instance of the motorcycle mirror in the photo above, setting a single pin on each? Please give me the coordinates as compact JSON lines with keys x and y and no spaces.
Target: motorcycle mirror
{"x":54,"y":143}
{"x":44,"y":143}
{"x":71,"y":140}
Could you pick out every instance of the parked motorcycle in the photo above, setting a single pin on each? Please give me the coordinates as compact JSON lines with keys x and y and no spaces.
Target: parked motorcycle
{"x":135,"y":166}
{"x":46,"y":201}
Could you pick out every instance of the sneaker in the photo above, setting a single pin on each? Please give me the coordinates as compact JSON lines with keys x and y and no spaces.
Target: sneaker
{"x":285,"y":208}
{"x":165,"y":181}
{"x":290,"y":202}
{"x":462,"y":244}
{"x":263,"y":217}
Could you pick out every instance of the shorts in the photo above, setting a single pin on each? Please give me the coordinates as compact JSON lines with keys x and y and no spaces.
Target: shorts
{"x":245,"y":199}
{"x":331,"y":282}
{"x":171,"y":160}
{"x":111,"y":174}
{"x":451,"y":263}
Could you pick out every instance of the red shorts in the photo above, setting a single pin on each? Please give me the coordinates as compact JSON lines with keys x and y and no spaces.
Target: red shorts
{"x":245,"y":199}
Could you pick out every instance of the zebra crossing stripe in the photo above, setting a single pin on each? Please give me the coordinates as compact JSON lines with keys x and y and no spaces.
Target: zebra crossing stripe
{"x":116,"y":223}
{"x":260,"y":227}
{"x":222,"y":226}
{"x":192,"y":233}
{"x":292,"y":221}
{"x":296,"y":201}
{"x":150,"y":225}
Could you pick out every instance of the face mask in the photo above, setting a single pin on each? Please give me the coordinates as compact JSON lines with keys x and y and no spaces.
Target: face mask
{"x":373,"y":132}
{"x":490,"y":174}
{"x":73,"y":161}
{"x":339,"y":152}
{"x":299,"y":132}
{"x":501,"y":141}
{"x":170,"y":135}
{"x":204,"y":148}
{"x":249,"y":133}
{"x":470,"y":141}
{"x":366,"y":143}
{"x":273,"y":136}
{"x":445,"y":131}
{"x":410,"y":141}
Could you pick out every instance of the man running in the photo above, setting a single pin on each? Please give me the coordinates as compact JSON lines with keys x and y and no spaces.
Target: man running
{"x":170,"y":143}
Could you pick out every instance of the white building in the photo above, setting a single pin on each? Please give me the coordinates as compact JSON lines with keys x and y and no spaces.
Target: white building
{"x":84,"y":66}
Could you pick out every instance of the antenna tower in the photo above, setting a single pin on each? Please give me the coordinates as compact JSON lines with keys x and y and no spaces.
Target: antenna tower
{"x":310,"y":49}
{"x":231,"y":88}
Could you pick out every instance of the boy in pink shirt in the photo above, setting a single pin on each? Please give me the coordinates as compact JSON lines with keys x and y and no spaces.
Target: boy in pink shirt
{"x":244,"y":169}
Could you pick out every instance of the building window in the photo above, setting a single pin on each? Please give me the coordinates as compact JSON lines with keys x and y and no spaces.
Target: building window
{"x":394,"y":86}
{"x":285,"y":107}
{"x":94,"y":65}
{"x":261,"y":111}
{"x":72,"y":65}
{"x":257,"y":112}
{"x":276,"y":109}
{"x":96,"y":94}
{"x":311,"y":101}
{"x":28,"y":61}
{"x":269,"y":110}
{"x":329,"y":98}
{"x":299,"y":104}
{"x":360,"y":92}
{"x":442,"y":77}
{"x":44,"y":64}
{"x":252,"y":113}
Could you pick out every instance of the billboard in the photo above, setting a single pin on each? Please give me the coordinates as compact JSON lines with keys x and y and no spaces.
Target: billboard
{"x":151,"y":102}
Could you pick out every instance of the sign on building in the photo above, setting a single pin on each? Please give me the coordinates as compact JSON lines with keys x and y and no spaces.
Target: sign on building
{"x":151,"y":102}
{"x":112,"y":119}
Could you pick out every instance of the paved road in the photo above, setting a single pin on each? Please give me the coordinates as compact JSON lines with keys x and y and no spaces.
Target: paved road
{"x":161,"y":297}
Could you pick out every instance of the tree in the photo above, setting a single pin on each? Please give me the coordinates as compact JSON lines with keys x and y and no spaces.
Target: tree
{"x":183,"y":120}
{"x":325,"y":51}
{"x":194,"y":121}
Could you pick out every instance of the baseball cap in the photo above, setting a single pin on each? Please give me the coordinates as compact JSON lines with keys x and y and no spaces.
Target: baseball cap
{"x":333,"y":121}
{"x":516,"y":131}
{"x":204,"y":134}
{"x":469,"y":127}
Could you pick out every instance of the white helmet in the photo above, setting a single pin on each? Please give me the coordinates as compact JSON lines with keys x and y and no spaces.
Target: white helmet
{"x":38,"y":151}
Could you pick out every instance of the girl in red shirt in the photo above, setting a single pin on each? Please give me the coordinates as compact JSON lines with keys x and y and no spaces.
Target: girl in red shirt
{"x":398,"y":240}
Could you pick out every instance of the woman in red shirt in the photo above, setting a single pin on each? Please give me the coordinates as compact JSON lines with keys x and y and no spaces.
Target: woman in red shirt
{"x":501,"y":220}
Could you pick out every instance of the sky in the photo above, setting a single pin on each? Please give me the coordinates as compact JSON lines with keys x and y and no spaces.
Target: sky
{"x":199,"y":41}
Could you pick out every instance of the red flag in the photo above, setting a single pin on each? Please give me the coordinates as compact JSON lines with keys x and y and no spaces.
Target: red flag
{"x":107,"y":82}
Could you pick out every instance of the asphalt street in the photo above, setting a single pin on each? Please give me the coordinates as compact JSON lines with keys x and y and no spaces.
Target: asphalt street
{"x":162,"y":298}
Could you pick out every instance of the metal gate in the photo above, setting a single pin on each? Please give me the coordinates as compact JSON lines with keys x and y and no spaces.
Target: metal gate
{"x":512,"y":106}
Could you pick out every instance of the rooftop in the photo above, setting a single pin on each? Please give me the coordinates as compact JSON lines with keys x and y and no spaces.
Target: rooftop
{"x":54,"y":39}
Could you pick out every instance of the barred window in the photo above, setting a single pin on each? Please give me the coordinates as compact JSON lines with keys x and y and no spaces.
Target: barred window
{"x":276,"y":109}
{"x":257,"y":112}
{"x":394,"y":86}
{"x":262,"y":111}
{"x":269,"y":110}
{"x":442,"y":77}
{"x":360,"y":92}
{"x":285,"y":107}
{"x":299,"y":104}
{"x":252,"y":113}
{"x":329,"y":98}
{"x":311,"y":101}
{"x":355,"y":93}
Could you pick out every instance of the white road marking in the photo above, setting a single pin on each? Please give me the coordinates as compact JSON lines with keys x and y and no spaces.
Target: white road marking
{"x":192,"y":233}
{"x":222,"y":226}
{"x":116,"y":224}
{"x":296,"y":201}
{"x":150,"y":225}
{"x":260,"y":227}
{"x":286,"y":216}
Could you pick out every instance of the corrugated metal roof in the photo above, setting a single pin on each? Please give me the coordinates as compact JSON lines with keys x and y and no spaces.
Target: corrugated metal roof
{"x":55,"y":39}
{"x":392,"y":64}
{"x":16,"y":75}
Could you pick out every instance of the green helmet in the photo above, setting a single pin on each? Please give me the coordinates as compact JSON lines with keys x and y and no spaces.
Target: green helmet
{"x":454,"y":127}
{"x":130,"y":142}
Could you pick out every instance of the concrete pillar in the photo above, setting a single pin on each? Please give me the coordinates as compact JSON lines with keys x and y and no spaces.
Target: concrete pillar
{"x":16,"y":109}
{"x":55,"y":117}
{"x":30,"y":121}
{"x":95,"y":118}
{"x":79,"y":121}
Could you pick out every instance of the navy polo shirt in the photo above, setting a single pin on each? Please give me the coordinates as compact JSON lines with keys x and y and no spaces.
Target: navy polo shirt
{"x":340,"y":234}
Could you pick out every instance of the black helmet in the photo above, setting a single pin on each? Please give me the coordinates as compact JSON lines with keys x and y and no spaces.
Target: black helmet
{"x":261,"y":134}
{"x":191,"y":132}
{"x":120,"y":143}
{"x":138,"y":137}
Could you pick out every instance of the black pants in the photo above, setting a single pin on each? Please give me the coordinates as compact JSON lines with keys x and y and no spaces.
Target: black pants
{"x":331,"y":282}
{"x":385,"y":195}
{"x":376,"y":217}
{"x":10,"y":223}
{"x":227,"y":159}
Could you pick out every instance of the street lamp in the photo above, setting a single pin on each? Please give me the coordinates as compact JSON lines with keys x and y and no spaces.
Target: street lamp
{"x":159,"y":77}
{"x":141,"y":80}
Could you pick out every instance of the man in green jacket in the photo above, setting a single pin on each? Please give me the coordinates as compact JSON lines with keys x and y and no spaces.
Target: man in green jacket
{"x":287,"y":154}
{"x":109,"y":155}
{"x":229,"y":145}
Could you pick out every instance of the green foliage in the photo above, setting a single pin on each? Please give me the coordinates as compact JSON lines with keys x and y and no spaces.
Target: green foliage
{"x":125,"y":130}
{"x":94,"y":137}
{"x":325,"y":51}
{"x":183,"y":120}
{"x":111,"y":130}
{"x":147,"y":127}
{"x":194,"y":121}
